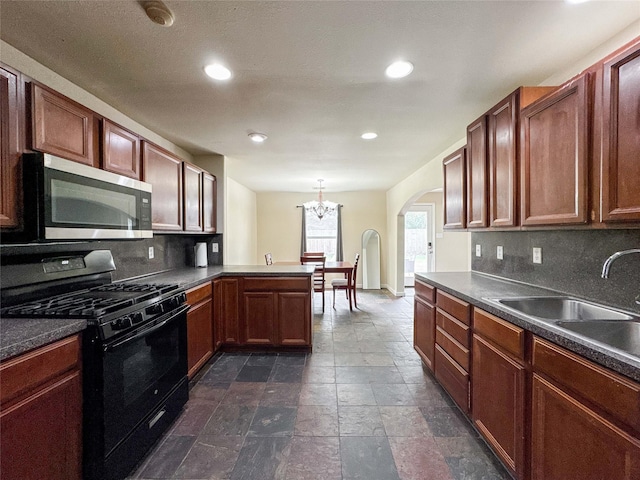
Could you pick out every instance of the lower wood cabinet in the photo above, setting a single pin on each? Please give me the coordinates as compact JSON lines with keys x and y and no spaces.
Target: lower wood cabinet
{"x":226,"y":301}
{"x":453,"y":341}
{"x":424,"y":323}
{"x":572,"y":442}
{"x":277,"y":311}
{"x":41,"y":418}
{"x":262,"y":311}
{"x":200,"y":337}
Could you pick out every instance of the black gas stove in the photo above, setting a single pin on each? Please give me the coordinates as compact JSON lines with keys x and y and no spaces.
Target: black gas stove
{"x":134,"y":349}
{"x":113,"y":308}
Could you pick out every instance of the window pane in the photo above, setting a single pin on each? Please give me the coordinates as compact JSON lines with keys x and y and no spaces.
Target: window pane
{"x":322,"y":234}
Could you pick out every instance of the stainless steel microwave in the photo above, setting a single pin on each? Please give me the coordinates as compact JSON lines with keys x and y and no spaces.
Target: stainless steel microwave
{"x":65,"y":200}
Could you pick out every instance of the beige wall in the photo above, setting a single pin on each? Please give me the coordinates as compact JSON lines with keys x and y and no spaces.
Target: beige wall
{"x":399,"y":199}
{"x":240,"y":225}
{"x":279,"y":224}
{"x":448,"y":244}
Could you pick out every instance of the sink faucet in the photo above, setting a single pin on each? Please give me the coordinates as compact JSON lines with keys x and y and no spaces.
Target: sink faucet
{"x":607,"y":263}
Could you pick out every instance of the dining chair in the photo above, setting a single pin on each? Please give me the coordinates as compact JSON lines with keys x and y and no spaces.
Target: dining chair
{"x":313,"y":254}
{"x":349,"y":285}
{"x":318,"y":273}
{"x":268,"y":258}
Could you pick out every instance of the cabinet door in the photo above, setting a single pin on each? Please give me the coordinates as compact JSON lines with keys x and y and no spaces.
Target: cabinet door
{"x":621,"y":138}
{"x":209,"y":202}
{"x":503,"y":165}
{"x":455,"y":193}
{"x":41,"y":436}
{"x":227,"y":310}
{"x":62,"y":127}
{"x":477,"y":173}
{"x":571,"y":442}
{"x":555,"y":157}
{"x":294,"y":318}
{"x":192,"y":176}
{"x":10,"y":145}
{"x":199,"y":336}
{"x":424,"y":330}
{"x":120,"y":150}
{"x":259,"y":318}
{"x":218,"y":332}
{"x":498,"y":390}
{"x":164,"y":172}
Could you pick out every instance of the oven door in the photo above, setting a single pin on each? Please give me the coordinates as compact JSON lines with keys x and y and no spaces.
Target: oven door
{"x":139,"y":371}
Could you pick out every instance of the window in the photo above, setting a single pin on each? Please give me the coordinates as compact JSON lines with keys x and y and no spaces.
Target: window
{"x":322,"y":234}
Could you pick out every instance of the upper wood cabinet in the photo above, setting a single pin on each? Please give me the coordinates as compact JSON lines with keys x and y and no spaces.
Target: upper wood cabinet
{"x":120,"y":150}
{"x":555,"y":157}
{"x":11,"y":131}
{"x":455,"y":189}
{"x":163,"y":171}
{"x":621,"y":137}
{"x":477,"y":173}
{"x":193,"y":196}
{"x":504,"y":155}
{"x":209,"y":202}
{"x":63,"y":127}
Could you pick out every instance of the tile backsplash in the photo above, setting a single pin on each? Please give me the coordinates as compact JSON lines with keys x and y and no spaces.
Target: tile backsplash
{"x":132,"y":256}
{"x":571,"y":262}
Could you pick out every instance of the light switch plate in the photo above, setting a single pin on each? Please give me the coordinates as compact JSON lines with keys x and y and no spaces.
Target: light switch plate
{"x":478,"y":251}
{"x":537,"y":255}
{"x":151,"y":253}
{"x":214,"y":247}
{"x":500,"y":252}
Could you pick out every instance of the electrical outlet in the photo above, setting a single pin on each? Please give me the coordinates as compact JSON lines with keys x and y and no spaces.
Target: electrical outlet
{"x":500,"y":252}
{"x":537,"y":255}
{"x":214,"y":247}
{"x":151,"y":253}
{"x":478,"y":251}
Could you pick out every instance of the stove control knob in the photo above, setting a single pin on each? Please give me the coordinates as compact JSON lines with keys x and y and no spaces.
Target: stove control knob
{"x":136,"y":317}
{"x":121,"y":323}
{"x":155,"y":309}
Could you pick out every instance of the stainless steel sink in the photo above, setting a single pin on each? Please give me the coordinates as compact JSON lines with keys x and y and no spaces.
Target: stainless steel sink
{"x":562,"y":309}
{"x":623,"y":335}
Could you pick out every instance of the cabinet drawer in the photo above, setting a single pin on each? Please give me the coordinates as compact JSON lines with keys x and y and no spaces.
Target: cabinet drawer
{"x":502,"y":333}
{"x":26,"y":372}
{"x":424,"y":291}
{"x":618,"y":396}
{"x":276,"y":284}
{"x":453,"y":327}
{"x":450,"y":304}
{"x":459,"y":353}
{"x":453,"y":378}
{"x":199,"y":293}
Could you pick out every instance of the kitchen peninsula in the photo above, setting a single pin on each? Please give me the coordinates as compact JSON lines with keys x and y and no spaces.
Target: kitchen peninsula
{"x":274,"y":282}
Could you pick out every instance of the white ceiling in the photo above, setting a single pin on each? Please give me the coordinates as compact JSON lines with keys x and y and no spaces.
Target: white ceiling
{"x":310,"y":74}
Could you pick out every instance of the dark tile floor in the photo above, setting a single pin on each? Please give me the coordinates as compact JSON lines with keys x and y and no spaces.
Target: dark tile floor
{"x":359,"y":407}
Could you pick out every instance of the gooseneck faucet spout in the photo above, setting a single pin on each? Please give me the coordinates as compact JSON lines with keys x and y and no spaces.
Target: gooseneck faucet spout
{"x":607,"y":263}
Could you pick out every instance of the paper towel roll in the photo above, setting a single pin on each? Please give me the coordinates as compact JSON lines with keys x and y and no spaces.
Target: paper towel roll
{"x":201,"y":254}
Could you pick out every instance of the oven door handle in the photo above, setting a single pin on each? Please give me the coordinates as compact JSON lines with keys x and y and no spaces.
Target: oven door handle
{"x":147,"y":331}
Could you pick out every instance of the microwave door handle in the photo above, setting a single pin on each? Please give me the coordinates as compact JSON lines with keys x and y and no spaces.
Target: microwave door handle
{"x":147,"y":331}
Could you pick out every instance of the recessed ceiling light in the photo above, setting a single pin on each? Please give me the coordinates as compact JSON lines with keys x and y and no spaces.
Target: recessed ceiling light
{"x":399,"y":69}
{"x":257,"y":137}
{"x":218,"y":71}
{"x":369,"y":136}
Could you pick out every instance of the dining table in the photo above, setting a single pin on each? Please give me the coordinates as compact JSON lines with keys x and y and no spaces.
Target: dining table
{"x":345,"y":268}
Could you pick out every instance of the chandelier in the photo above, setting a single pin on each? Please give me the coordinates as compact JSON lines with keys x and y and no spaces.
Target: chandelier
{"x":320,"y":207}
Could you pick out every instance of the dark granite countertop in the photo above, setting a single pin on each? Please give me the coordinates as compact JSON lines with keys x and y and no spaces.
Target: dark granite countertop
{"x":19,"y":335}
{"x":477,"y":288}
{"x":189,"y":277}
